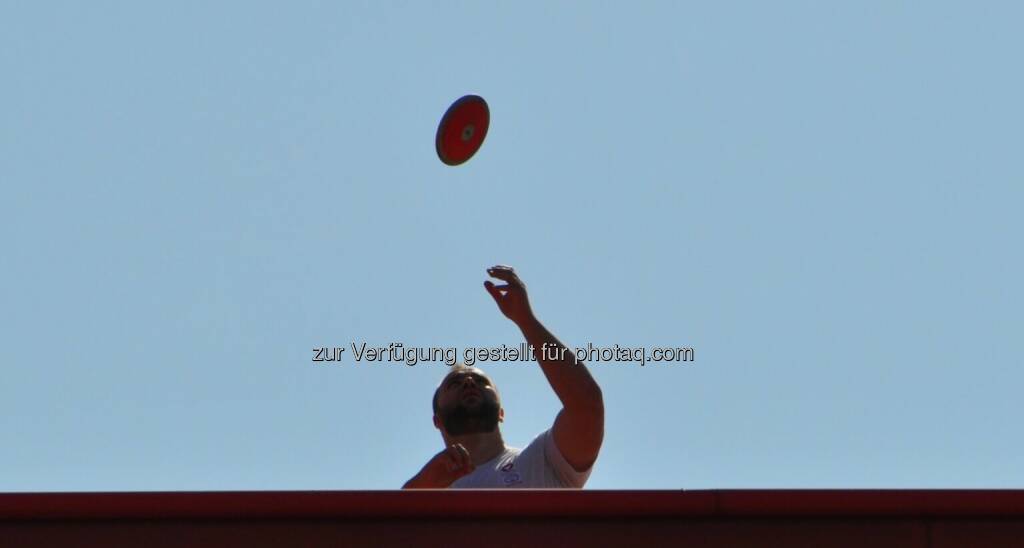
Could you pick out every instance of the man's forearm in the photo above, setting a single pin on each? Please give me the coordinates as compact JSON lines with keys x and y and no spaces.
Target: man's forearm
{"x":422,"y":480}
{"x":568,"y":377}
{"x":419,"y":482}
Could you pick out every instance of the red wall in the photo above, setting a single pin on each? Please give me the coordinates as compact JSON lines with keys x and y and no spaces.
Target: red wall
{"x":878,"y":519}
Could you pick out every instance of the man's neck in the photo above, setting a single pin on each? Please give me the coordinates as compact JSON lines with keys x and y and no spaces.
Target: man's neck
{"x":481,"y":447}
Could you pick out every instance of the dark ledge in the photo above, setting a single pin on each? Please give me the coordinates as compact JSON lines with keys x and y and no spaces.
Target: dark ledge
{"x":512,"y":503}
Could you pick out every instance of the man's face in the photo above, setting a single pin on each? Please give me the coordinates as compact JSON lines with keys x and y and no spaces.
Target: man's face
{"x":468,"y":403}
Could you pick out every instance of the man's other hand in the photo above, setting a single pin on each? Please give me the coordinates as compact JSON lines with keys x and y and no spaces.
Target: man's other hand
{"x":443,"y":469}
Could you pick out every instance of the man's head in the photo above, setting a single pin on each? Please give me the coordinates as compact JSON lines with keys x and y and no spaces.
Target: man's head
{"x":467,"y":402}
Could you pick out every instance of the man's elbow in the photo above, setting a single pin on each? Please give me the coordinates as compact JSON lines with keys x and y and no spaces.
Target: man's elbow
{"x":590,"y":402}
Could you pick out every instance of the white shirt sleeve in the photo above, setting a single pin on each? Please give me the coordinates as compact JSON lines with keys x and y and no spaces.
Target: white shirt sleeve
{"x":562,"y":469}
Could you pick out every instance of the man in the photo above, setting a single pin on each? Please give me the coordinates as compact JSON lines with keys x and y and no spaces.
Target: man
{"x":467,"y":410}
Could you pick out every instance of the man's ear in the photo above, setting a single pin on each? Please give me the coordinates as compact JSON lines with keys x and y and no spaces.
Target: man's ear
{"x":437,"y":422}
{"x":501,"y":414}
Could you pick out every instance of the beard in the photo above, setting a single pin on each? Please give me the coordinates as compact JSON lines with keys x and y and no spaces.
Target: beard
{"x":460,"y":420}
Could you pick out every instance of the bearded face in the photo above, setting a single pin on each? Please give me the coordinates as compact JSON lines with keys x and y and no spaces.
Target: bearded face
{"x":471,"y":415}
{"x":467,"y":403}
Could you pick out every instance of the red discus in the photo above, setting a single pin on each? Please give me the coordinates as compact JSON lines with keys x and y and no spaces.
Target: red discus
{"x":462,"y":130}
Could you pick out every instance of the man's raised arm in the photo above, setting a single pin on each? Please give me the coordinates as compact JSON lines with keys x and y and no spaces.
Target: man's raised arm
{"x":579,"y":426}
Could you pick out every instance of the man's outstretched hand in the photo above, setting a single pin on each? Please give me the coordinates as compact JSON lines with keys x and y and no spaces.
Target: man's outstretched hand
{"x":510,"y":296}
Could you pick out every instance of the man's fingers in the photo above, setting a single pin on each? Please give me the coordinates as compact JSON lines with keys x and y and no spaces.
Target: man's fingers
{"x":457,"y":460}
{"x":467,"y":463}
{"x":493,"y":290}
{"x":451,"y":461}
{"x":504,"y":273}
{"x":463,"y":453}
{"x":501,"y":272}
{"x":458,"y":454}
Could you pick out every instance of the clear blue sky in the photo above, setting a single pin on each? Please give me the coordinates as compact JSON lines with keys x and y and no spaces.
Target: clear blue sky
{"x":823,"y":200}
